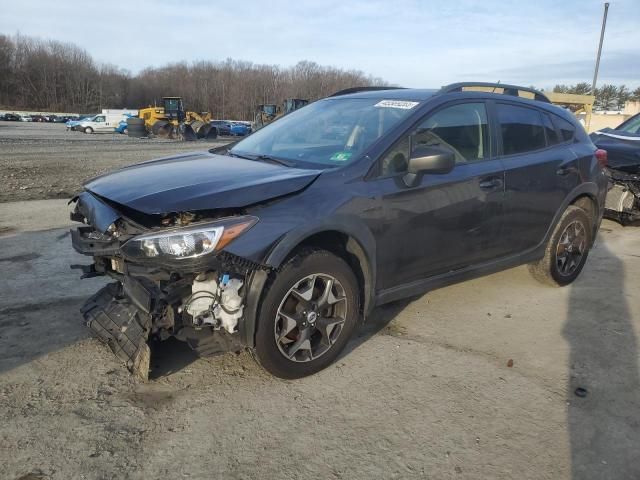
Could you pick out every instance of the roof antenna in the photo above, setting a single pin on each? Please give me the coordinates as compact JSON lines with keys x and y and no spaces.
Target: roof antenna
{"x":494,"y":88}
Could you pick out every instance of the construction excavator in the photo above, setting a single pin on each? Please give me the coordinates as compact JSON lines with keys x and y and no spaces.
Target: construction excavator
{"x":171,"y":121}
{"x":267,"y":113}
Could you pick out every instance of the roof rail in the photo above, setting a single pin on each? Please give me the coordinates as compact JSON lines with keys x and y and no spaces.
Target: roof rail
{"x":507,"y":89}
{"x":347,"y":91}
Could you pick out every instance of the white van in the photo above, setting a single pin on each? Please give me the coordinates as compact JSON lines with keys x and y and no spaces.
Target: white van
{"x":102,"y":123}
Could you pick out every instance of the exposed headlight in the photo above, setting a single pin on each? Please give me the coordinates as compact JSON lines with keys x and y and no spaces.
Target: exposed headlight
{"x":187,"y":242}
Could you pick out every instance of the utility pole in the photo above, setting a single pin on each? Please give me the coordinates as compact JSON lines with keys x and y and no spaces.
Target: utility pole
{"x":604,"y":24}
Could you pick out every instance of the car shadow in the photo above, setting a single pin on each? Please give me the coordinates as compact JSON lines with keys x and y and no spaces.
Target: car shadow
{"x":378,"y":321}
{"x":603,"y":391}
{"x":169,"y":357}
{"x":41,"y":296}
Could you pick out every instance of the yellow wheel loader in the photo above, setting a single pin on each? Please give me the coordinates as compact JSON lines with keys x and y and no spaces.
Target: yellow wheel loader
{"x":267,"y":113}
{"x":171,"y":121}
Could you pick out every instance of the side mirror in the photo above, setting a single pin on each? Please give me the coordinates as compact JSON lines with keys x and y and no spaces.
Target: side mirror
{"x":428,"y":159}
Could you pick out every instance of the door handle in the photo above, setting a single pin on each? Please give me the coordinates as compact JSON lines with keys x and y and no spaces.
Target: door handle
{"x":491,"y":183}
{"x":562,"y":171}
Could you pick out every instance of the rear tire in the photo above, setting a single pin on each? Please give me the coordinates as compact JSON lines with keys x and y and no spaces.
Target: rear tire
{"x":313,"y":304}
{"x":567,"y":250}
{"x":88,"y":130}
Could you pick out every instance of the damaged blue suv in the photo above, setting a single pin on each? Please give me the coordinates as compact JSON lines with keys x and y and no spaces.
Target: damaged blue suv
{"x":285,"y":240}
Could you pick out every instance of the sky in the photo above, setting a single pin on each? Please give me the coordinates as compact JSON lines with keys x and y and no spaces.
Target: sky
{"x":409,"y":43}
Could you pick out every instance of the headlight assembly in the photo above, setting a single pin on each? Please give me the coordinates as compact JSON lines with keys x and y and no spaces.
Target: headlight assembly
{"x":187,"y":242}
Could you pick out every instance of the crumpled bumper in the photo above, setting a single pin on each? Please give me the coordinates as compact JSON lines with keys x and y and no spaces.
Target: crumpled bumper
{"x":116,"y":321}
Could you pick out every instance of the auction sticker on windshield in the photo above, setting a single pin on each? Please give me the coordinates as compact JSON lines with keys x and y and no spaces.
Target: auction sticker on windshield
{"x":404,"y":104}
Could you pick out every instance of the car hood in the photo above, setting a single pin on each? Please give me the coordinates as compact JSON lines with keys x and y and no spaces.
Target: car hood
{"x":623,"y":148}
{"x":198,"y":181}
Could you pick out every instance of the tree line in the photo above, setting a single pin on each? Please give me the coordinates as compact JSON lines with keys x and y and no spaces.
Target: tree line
{"x":608,"y":96}
{"x":48,"y":75}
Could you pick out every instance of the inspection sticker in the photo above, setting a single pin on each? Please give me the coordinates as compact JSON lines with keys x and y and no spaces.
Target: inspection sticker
{"x":405,"y":105}
{"x":341,"y":156}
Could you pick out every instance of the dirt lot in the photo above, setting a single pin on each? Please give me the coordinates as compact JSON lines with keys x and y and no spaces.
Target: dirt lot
{"x":423,"y":391}
{"x":472,"y":381}
{"x":44,"y":160}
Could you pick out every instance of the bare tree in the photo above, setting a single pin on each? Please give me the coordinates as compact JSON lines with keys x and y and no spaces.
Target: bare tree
{"x":56,"y":76}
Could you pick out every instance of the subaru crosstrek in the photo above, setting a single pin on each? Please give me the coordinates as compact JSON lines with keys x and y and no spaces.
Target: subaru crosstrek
{"x":285,"y":240}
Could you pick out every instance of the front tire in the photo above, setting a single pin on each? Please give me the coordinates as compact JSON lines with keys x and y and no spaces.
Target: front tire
{"x":567,"y":250}
{"x":308,"y":313}
{"x":88,"y":130}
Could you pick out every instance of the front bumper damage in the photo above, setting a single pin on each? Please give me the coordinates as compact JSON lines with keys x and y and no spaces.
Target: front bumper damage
{"x":623,"y":196}
{"x":116,"y":321}
{"x":201,"y":303}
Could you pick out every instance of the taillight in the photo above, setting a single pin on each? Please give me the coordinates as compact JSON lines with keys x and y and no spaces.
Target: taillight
{"x":601,"y":156}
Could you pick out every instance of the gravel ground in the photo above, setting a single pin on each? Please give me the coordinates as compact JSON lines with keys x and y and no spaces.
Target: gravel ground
{"x":43,"y":160}
{"x":473,"y":381}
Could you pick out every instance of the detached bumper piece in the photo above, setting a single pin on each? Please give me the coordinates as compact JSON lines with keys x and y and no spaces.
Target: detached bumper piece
{"x":122,"y":326}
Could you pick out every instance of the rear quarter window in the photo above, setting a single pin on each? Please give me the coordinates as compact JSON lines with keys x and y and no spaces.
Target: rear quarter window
{"x":552,"y":134}
{"x":566,"y":128}
{"x":522,"y":129}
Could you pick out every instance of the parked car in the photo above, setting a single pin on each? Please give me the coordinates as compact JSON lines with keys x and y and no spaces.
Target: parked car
{"x":102,"y":123}
{"x":623,"y":146}
{"x":26,"y":118}
{"x":38,"y":118}
{"x":284,"y":240}
{"x":75,"y":123}
{"x":224,"y":127}
{"x":239,"y":129}
{"x":11,"y":117}
{"x":122,"y":125}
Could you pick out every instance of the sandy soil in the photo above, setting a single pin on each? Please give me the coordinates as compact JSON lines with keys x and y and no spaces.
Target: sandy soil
{"x":44,"y":160}
{"x":424,"y":390}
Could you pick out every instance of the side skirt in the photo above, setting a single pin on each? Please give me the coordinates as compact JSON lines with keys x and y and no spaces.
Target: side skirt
{"x":425,"y":285}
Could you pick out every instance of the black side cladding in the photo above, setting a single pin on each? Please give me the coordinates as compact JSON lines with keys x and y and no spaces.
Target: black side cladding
{"x":119,"y":324}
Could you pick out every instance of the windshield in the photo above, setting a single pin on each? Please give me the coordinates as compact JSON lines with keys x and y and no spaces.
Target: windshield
{"x":269,"y":109}
{"x":171,"y":104}
{"x":329,"y":132}
{"x":632,"y":125}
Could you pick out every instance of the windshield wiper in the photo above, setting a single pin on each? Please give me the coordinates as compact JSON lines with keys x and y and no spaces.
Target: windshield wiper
{"x":233,"y":154}
{"x":264,"y":158}
{"x":269,"y":158}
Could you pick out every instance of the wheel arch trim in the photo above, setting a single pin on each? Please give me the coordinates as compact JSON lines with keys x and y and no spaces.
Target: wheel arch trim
{"x":588,"y":189}
{"x":360,"y":243}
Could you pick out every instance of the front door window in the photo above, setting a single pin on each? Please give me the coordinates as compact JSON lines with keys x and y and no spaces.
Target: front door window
{"x":461,"y":128}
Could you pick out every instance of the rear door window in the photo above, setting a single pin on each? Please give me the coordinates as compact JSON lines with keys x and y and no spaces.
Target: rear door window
{"x":522,"y":129}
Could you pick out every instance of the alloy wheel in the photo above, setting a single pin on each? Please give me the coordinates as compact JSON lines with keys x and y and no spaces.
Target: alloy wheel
{"x":310,"y":318}
{"x":571,"y":248}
